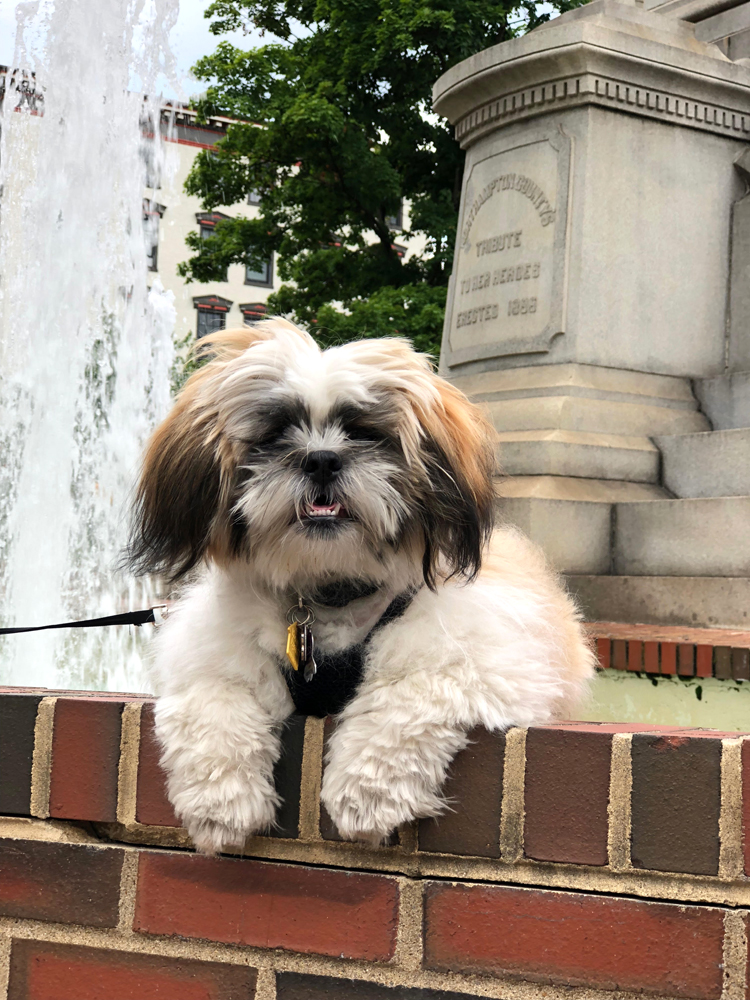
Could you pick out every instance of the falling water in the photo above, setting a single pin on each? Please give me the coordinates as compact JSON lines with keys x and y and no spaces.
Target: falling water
{"x":85,"y":348}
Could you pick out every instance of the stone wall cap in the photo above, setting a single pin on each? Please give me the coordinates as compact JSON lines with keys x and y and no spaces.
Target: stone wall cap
{"x":632,"y":45}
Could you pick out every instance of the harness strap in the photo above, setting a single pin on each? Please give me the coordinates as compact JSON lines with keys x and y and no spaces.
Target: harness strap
{"x":339,"y":674}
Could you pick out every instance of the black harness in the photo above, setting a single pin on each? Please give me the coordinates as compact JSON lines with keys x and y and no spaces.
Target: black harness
{"x":338,"y":675}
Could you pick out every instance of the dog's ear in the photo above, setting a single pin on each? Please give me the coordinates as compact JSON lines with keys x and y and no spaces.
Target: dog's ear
{"x":458,"y":512}
{"x":184,"y":499}
{"x":183,"y":495}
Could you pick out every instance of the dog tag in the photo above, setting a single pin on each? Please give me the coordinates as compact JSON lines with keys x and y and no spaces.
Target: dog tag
{"x":307,"y":652}
{"x":293,"y":645}
{"x":300,"y":645}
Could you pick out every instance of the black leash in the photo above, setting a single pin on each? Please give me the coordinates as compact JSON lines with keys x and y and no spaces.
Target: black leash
{"x":129,"y":618}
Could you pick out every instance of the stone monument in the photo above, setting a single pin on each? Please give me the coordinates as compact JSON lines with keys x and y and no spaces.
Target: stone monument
{"x":600,"y":300}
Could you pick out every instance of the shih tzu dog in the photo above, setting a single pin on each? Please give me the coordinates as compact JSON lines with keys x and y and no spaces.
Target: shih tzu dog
{"x":333,"y":511}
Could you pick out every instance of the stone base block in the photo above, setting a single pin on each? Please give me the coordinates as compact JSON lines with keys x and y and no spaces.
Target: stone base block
{"x":575,"y":488}
{"x":575,"y":537}
{"x":697,"y":537}
{"x":577,"y":453}
{"x":710,"y":464}
{"x":576,"y":413}
{"x":704,"y":602}
{"x":725,"y":399}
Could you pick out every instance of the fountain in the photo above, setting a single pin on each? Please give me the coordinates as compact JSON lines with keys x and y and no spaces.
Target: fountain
{"x":85,"y":347}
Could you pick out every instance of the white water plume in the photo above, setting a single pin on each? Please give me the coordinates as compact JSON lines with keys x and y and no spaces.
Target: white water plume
{"x":85,"y":348}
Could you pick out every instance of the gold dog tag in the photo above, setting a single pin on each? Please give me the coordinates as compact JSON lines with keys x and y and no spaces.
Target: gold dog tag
{"x":292,"y":645}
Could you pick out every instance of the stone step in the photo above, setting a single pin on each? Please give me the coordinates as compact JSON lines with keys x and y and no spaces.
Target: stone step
{"x":708,"y":464}
{"x":605,"y":491}
{"x":598,"y":416}
{"x":694,"y":537}
{"x":574,"y":535}
{"x":554,"y":452}
{"x":701,"y":537}
{"x":700,"y":601}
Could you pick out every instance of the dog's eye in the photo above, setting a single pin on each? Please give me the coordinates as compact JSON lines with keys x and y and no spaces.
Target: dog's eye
{"x":362,"y":433}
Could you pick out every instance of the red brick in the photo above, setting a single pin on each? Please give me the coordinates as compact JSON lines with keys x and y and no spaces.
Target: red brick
{"x":704,"y":661}
{"x":311,"y":910}
{"x":300,"y":986}
{"x":603,"y":651}
{"x":668,"y":658}
{"x":619,"y":654}
{"x":635,"y":655}
{"x":651,"y":657}
{"x":741,"y":664}
{"x":65,"y":883}
{"x":152,"y":805}
{"x":567,"y":793}
{"x":474,"y":789}
{"x":675,"y":802}
{"x":723,"y":662}
{"x":287,"y":777}
{"x":685,"y":659}
{"x":45,"y":971}
{"x":85,"y":759}
{"x":17,"y":722}
{"x":575,"y":939}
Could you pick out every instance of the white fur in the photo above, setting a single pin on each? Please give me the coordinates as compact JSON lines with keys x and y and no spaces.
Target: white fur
{"x":503,"y":651}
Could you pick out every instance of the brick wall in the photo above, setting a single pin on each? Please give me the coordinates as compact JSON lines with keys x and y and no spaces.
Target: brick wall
{"x":580,"y":861}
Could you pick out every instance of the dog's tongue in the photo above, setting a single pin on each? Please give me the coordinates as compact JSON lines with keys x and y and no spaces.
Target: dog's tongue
{"x":324,"y":508}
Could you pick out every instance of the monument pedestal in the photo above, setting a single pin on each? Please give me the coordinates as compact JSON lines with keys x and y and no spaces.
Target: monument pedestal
{"x":602,"y":237}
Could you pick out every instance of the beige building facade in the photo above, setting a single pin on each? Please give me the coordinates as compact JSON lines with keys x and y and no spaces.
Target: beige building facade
{"x":170,"y":214}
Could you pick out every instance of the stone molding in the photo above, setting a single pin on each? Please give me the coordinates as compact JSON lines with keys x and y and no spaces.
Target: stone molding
{"x":610,"y":54}
{"x":575,"y":91}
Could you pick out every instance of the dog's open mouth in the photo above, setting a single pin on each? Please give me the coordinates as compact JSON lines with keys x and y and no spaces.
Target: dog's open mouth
{"x":321,"y":511}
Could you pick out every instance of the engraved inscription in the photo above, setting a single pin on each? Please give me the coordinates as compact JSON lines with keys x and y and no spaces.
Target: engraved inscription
{"x":513,"y":182}
{"x":505,"y":263}
{"x":499,"y":243}
{"x":471,"y":316}
{"x":519,"y":307}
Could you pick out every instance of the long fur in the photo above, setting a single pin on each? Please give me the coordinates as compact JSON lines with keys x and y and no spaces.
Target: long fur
{"x":226,"y":495}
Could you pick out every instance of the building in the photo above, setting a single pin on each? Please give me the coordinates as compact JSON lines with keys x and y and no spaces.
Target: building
{"x":170,"y":214}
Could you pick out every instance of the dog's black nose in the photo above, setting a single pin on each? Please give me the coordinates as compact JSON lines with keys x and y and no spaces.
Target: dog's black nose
{"x":322,"y":466}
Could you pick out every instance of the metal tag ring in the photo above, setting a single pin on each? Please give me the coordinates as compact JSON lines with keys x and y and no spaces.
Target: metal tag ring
{"x":300,"y":616}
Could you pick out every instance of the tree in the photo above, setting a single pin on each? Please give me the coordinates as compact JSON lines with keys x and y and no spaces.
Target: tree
{"x":334,"y":130}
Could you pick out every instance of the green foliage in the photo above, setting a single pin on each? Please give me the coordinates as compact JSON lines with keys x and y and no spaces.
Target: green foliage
{"x":187,"y":359}
{"x":334,"y":130}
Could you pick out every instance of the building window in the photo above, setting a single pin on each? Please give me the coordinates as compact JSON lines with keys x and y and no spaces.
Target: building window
{"x":207,"y":222}
{"x":150,"y":158}
{"x":262,"y":275}
{"x":253,"y":312}
{"x":152,"y":212}
{"x":396,"y":221}
{"x":209,"y":321}
{"x":254,"y":198}
{"x":212,"y":313}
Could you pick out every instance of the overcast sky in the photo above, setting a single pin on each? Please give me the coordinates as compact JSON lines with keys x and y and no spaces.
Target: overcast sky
{"x":190,"y":38}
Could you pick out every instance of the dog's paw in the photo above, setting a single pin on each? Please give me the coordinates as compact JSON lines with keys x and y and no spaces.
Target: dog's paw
{"x":211,"y":837}
{"x":364,"y":811}
{"x":223,"y":814}
{"x":363,"y":820}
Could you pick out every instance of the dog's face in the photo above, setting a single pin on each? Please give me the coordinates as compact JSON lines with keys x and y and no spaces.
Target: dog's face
{"x":315,"y":465}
